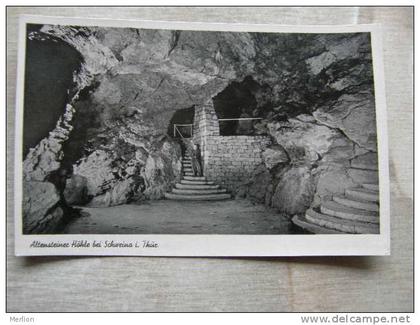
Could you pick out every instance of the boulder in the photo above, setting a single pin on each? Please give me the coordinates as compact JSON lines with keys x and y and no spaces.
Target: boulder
{"x":295,"y":191}
{"x":274,"y":155}
{"x":75,"y":191}
{"x":121,"y":192}
{"x":161,"y":170}
{"x":42,"y":211}
{"x":97,"y":170}
{"x":257,"y":187}
{"x":126,"y":171}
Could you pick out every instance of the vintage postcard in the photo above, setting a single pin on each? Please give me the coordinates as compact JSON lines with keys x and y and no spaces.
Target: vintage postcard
{"x":200,"y":139}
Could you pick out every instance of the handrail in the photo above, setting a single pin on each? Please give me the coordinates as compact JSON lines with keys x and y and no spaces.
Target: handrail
{"x":240,"y":119}
{"x":176,"y":130}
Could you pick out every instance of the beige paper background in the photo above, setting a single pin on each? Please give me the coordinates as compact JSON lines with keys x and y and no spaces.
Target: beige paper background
{"x":236,"y":284}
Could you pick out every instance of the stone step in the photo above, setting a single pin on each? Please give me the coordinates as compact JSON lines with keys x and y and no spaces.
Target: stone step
{"x":313,"y":228}
{"x":367,"y":161}
{"x":362,"y":194}
{"x":357,"y":204}
{"x":343,"y":225}
{"x":198,"y":191}
{"x":187,"y":169}
{"x":186,"y":181}
{"x":195,"y":178}
{"x":186,"y":164}
{"x":360,"y":165}
{"x":362,"y":176}
{"x":188,"y":174}
{"x":372,"y":187}
{"x":341,"y":211}
{"x":197,"y":186}
{"x":206,"y":197}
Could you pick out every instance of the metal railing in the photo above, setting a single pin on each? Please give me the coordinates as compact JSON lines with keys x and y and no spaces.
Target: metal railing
{"x":178,"y":132}
{"x":238,"y":126}
{"x":240,"y":119}
{"x":186,"y":130}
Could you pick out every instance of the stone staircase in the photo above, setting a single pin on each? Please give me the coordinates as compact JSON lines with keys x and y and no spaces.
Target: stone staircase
{"x":196,"y":188}
{"x":355,"y":212}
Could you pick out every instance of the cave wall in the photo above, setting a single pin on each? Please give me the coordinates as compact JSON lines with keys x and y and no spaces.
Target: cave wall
{"x":322,"y":143}
{"x":315,"y":96}
{"x":50,"y":67}
{"x":322,"y":119}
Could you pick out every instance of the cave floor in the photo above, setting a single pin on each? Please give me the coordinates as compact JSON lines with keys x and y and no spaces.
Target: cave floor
{"x":180,"y":217}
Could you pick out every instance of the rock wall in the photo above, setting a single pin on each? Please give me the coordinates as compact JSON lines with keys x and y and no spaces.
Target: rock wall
{"x":123,"y":173}
{"x":322,"y":120}
{"x":41,"y":208}
{"x":44,"y":208}
{"x":308,"y":164}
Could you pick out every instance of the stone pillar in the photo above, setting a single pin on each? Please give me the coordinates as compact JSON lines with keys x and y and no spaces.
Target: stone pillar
{"x":206,"y":124}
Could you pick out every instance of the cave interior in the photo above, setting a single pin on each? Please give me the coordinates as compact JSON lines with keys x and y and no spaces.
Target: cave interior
{"x":312,"y":96}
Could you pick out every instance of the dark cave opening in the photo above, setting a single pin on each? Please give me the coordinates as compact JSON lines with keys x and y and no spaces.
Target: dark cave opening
{"x":49,"y":67}
{"x":181,"y":123}
{"x":238,"y":101}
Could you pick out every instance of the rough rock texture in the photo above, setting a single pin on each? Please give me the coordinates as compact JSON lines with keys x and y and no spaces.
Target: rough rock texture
{"x":314,"y":162}
{"x":322,"y":115}
{"x":121,"y":173}
{"x":303,"y":141}
{"x":314,"y":92}
{"x":41,"y":207}
{"x":365,"y":160}
{"x":257,"y":188}
{"x":135,"y":81}
{"x":47,"y":155}
{"x":162,"y":168}
{"x":274,"y":155}
{"x":295,"y":191}
{"x":75,"y":192}
{"x":352,"y":114}
{"x":332,"y":179}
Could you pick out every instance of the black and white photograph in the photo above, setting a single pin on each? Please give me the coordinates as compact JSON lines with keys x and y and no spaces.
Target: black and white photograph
{"x":209,"y":163}
{"x":188,"y":130}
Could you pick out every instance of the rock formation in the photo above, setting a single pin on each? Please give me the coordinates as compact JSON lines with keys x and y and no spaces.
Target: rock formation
{"x":314,"y":92}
